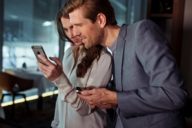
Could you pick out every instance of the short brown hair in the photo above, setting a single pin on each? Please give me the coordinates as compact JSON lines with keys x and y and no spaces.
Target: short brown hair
{"x":92,"y":9}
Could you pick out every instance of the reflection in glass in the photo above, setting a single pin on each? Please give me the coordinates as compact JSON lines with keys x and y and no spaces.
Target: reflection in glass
{"x":28,"y":22}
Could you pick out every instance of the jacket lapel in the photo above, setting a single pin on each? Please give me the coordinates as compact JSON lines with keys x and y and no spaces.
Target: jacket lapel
{"x":118,"y":57}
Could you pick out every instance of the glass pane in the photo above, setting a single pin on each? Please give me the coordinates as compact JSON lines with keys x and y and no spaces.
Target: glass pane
{"x":129,"y":11}
{"x":26,"y":23}
{"x":120,"y":7}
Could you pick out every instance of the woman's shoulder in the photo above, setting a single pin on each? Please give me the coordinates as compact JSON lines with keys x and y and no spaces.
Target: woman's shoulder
{"x":105,"y":56}
{"x":68,"y":56}
{"x":69,"y":51}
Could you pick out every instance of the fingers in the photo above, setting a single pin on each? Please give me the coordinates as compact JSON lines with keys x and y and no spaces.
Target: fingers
{"x":56,"y":60}
{"x":85,"y":97}
{"x":43,"y":67}
{"x":94,"y":102}
{"x":50,"y":69}
{"x":44,"y":60}
{"x":98,"y":97}
{"x":90,"y":96}
{"x":87,"y":92}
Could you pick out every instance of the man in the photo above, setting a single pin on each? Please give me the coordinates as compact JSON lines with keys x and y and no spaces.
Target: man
{"x":149,"y":90}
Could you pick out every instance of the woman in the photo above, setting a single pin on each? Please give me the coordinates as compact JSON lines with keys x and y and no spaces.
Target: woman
{"x":81,"y":68}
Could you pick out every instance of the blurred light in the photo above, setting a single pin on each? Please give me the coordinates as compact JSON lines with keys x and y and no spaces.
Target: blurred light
{"x":13,"y":16}
{"x":29,"y":98}
{"x":47,"y":23}
{"x":56,"y":92}
{"x":47,"y":94}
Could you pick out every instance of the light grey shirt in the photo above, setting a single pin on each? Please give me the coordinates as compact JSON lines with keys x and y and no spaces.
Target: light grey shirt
{"x":71,"y":111}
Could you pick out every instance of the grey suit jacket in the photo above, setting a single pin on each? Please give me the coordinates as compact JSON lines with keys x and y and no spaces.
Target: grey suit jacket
{"x":148,"y":83}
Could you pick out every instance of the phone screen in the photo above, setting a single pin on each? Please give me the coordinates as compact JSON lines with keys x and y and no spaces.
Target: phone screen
{"x":38,"y":50}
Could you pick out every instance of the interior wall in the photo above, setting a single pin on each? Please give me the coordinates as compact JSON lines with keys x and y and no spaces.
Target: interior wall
{"x":186,"y":59}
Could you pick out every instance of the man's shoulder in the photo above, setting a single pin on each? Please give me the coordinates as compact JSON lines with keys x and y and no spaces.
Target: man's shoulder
{"x":142,"y":26}
{"x":139,"y":25}
{"x":144,"y":22}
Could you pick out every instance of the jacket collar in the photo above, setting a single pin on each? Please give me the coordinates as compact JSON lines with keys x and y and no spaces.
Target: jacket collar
{"x":118,"y":57}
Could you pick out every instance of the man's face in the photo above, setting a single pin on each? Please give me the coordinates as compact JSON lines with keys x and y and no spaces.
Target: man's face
{"x":91,"y":33}
{"x":69,"y":32}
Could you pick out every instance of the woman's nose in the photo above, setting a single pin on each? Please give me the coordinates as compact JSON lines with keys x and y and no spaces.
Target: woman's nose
{"x":75,"y":32}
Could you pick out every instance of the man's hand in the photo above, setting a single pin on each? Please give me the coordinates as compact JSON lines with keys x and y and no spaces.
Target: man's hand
{"x":99,"y":97}
{"x":50,"y":70}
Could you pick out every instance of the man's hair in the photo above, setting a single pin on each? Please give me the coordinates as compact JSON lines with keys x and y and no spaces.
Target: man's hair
{"x":92,"y":8}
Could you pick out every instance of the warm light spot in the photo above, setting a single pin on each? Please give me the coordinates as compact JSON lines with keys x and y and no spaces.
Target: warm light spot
{"x":29,"y":98}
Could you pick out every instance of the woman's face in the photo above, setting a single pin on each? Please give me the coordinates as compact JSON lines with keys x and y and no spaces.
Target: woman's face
{"x":69,"y":32}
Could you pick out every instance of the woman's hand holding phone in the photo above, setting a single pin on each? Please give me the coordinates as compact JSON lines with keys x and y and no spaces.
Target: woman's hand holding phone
{"x":50,"y":70}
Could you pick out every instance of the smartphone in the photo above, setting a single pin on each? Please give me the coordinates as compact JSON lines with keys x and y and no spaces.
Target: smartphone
{"x":38,"y":50}
{"x":78,"y":90}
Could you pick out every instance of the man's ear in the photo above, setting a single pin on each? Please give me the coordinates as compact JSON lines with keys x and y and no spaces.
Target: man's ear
{"x":101,"y":20}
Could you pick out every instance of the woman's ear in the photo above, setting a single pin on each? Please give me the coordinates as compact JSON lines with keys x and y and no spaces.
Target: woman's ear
{"x":101,"y":20}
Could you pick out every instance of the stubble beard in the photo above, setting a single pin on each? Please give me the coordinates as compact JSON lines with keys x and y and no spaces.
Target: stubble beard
{"x":98,"y":40}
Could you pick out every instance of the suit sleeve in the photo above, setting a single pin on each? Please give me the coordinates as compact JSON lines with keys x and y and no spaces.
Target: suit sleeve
{"x":96,"y":79}
{"x":164,"y":91}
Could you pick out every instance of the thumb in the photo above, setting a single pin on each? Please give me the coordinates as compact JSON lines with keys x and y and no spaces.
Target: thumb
{"x":56,"y":60}
{"x":86,"y":92}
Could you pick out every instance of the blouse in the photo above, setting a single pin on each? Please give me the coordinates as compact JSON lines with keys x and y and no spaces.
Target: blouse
{"x":70,"y":110}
